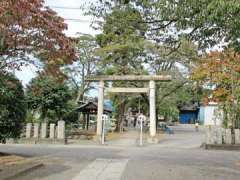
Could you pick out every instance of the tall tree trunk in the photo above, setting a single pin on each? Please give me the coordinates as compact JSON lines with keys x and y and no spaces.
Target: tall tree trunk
{"x":81,"y":88}
{"x":80,"y":94}
{"x":120,"y":115}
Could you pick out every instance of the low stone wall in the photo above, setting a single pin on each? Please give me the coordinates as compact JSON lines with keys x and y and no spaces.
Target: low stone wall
{"x":219,"y":135}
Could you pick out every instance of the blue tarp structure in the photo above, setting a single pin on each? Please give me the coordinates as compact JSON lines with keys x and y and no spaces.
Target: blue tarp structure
{"x":109,"y":105}
{"x":189,"y":113}
{"x":187,"y":117}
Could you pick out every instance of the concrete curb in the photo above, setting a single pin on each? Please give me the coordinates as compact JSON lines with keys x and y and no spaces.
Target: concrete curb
{"x":18,"y":170}
{"x":38,"y":141}
{"x":226,"y":147}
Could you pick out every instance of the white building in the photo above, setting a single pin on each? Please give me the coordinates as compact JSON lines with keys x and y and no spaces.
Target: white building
{"x":210,"y":114}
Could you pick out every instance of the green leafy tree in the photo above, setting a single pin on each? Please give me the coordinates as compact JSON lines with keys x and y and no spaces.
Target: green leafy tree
{"x":207,"y":22}
{"x":122,"y":41}
{"x":145,"y":42}
{"x":49,"y":97}
{"x":85,"y":65}
{"x":12,"y":106}
{"x":121,"y":49}
{"x":178,"y":64}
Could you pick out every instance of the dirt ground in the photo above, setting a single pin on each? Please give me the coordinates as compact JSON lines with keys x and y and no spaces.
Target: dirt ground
{"x":8,"y":159}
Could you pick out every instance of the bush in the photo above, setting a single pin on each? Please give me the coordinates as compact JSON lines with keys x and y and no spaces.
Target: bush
{"x":48,"y":97}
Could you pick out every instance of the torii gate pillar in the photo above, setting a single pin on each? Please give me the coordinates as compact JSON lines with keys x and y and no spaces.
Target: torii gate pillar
{"x":152,"y":107}
{"x":100,"y":107}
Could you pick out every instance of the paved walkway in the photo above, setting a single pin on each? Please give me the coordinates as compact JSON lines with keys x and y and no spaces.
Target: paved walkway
{"x":184,"y":136}
{"x":103,"y":169}
{"x":129,"y":138}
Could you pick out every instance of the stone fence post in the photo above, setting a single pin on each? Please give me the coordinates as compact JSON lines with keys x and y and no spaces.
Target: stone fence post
{"x":237,"y":136}
{"x":228,"y":136}
{"x":219,"y":136}
{"x":206,"y":135}
{"x":28,"y":130}
{"x":44,"y":130}
{"x":224,"y":135}
{"x":61,"y":130}
{"x":36,"y":130}
{"x":52,"y":131}
{"x":214,"y":135}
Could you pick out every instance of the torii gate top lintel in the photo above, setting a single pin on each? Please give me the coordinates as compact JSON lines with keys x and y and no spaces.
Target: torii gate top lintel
{"x":129,"y":78}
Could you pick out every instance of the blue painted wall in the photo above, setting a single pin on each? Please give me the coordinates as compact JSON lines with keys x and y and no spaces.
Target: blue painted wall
{"x":186,"y":116}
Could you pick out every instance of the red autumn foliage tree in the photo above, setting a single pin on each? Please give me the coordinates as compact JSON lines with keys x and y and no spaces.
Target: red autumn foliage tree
{"x":221,"y":72}
{"x":29,"y":29}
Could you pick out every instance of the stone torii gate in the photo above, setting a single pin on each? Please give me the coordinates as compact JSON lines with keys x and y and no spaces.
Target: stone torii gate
{"x":151,"y":90}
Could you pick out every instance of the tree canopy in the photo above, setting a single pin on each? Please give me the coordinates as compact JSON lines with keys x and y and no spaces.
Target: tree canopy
{"x":29,"y":29}
{"x":126,"y":47}
{"x":122,"y":41}
{"x":85,"y":64}
{"x":47,"y":96}
{"x":206,"y":22}
{"x":220,"y":72}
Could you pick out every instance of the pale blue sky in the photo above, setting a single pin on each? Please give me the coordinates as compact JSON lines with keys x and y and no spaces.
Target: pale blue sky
{"x":74,"y":27}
